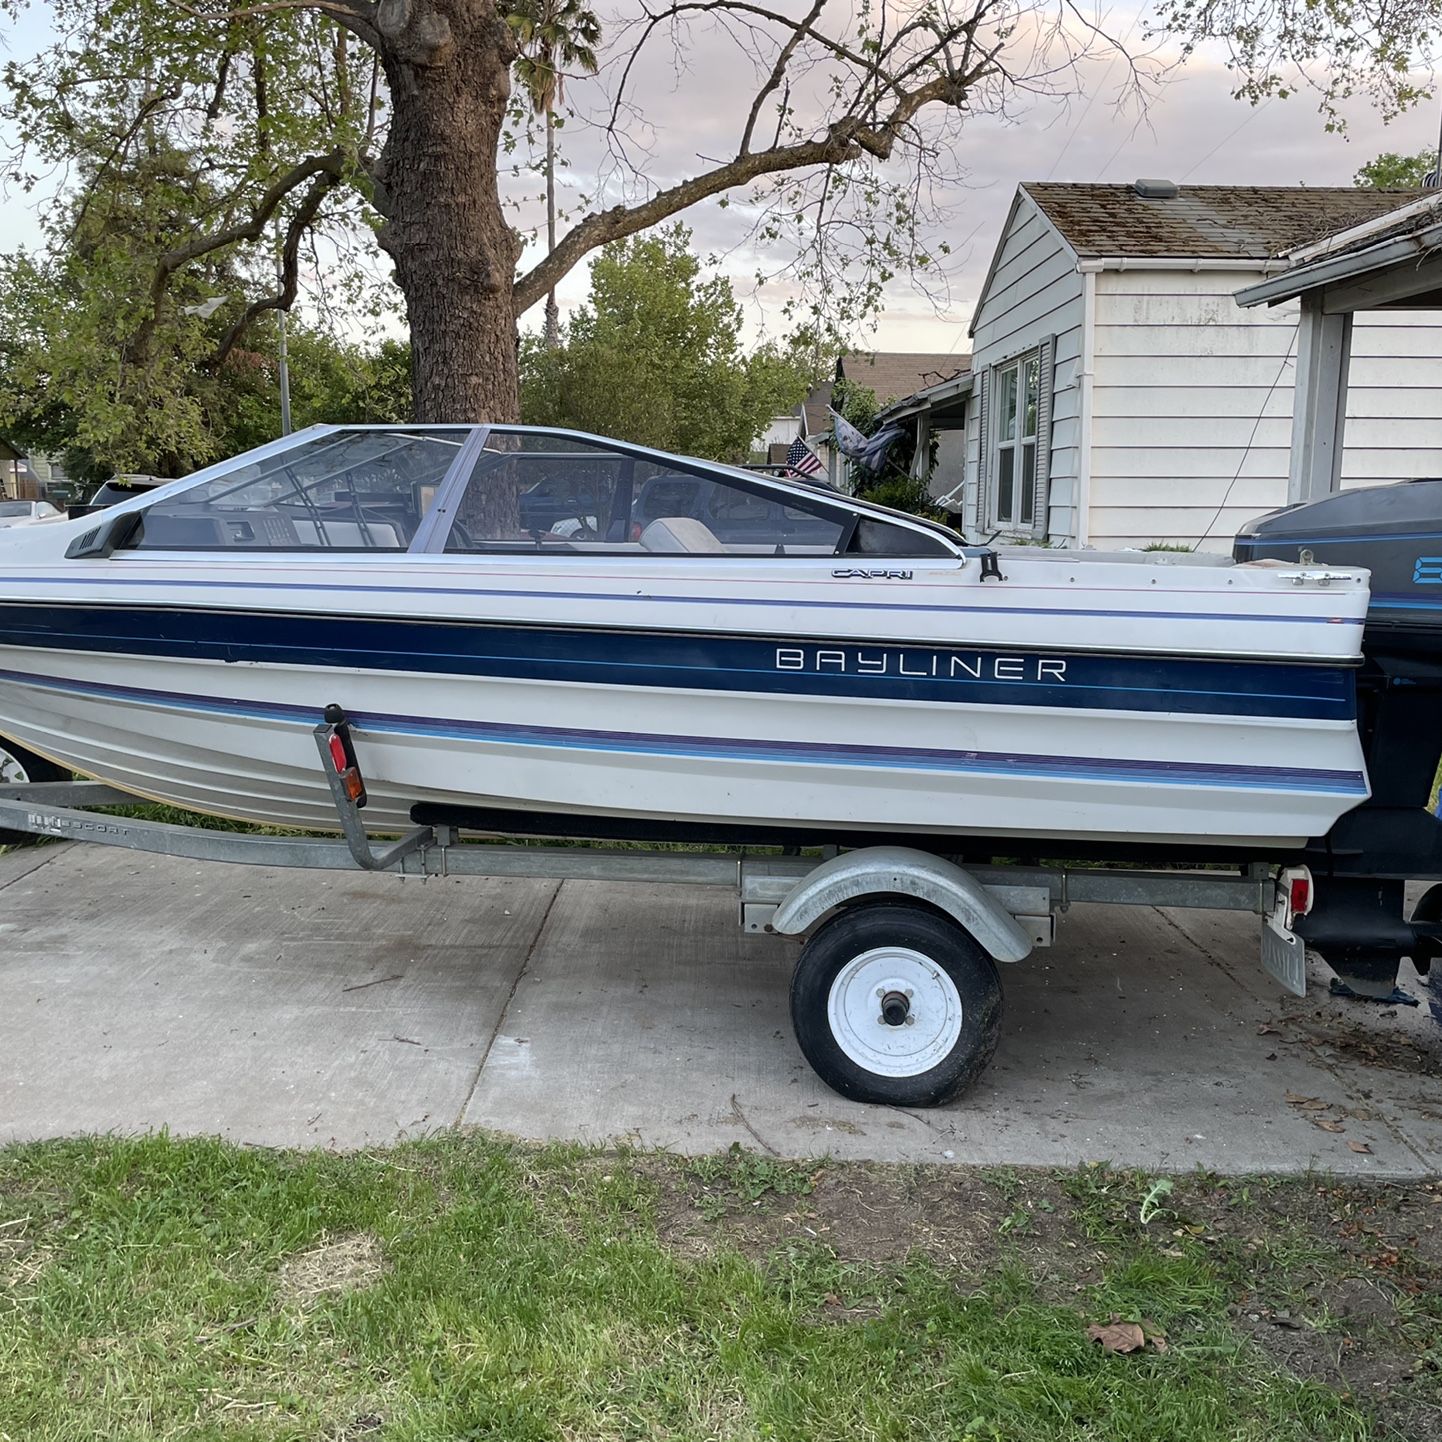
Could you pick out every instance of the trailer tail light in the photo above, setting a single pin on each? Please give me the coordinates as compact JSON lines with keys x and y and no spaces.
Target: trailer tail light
{"x":1296,"y":886}
{"x":342,"y":755}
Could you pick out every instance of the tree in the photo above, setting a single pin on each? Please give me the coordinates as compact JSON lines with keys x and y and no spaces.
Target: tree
{"x":303,"y":112}
{"x":161,"y":409}
{"x":1390,"y":171}
{"x":553,"y":36}
{"x":655,"y":357}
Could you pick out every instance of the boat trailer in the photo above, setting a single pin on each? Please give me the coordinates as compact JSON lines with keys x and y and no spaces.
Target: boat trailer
{"x":895,"y":997}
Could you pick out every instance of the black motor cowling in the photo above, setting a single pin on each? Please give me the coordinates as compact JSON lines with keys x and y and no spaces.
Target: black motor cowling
{"x":1394,"y":531}
{"x":1361,"y":865}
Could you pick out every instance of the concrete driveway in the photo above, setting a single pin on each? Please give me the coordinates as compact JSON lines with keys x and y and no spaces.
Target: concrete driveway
{"x":343,"y":1010}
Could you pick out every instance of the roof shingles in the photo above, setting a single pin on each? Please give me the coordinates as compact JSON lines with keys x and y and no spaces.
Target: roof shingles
{"x":1242,"y":222}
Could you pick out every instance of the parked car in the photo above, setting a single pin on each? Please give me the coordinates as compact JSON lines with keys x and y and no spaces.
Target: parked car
{"x":118,"y":488}
{"x":22,"y":513}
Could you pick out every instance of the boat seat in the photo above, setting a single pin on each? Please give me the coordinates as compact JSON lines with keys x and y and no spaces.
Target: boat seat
{"x":670,"y":534}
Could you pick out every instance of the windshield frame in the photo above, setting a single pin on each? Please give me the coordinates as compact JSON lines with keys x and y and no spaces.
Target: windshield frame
{"x":434,"y":528}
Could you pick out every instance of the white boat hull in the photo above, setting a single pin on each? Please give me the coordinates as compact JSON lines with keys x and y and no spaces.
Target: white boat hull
{"x":236,"y":740}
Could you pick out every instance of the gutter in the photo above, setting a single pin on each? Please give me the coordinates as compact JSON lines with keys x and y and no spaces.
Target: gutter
{"x":1304,"y":254}
{"x":1322,"y":272}
{"x":1266,"y":264}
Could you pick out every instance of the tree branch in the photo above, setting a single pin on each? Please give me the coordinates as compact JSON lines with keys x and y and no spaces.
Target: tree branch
{"x":289,"y":268}
{"x":324,"y":170}
{"x":331,"y":165}
{"x":845,"y":139}
{"x":358,"y":16}
{"x":778,"y":71}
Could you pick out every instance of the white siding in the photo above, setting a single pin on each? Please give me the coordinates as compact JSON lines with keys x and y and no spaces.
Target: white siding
{"x":1034,"y":292}
{"x":1192,"y":405}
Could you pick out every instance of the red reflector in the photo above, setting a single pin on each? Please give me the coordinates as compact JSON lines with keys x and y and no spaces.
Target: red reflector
{"x":1300,"y":899}
{"x":337,"y":753}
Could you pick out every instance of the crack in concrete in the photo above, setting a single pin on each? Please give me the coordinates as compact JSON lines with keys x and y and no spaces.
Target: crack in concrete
{"x":506,"y":1006}
{"x":43,"y":857}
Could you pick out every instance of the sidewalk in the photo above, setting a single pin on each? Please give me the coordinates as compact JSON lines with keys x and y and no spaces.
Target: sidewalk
{"x":324,"y":1009}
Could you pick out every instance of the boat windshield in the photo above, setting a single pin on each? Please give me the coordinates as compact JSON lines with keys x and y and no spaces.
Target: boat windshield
{"x":532,"y":490}
{"x":504,"y":490}
{"x":352,"y":490}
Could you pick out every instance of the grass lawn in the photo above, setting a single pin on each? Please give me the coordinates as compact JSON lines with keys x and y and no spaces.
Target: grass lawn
{"x":469,"y":1288}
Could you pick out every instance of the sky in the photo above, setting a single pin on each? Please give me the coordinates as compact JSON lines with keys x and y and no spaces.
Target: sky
{"x":1191,"y":131}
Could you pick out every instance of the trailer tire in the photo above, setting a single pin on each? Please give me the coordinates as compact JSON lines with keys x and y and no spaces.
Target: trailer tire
{"x":895,"y":1003}
{"x":17,"y":767}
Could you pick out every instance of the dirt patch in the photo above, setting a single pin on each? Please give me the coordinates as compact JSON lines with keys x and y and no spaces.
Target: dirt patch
{"x":336,"y":1266}
{"x":1365,"y":1034}
{"x":1341,"y":1283}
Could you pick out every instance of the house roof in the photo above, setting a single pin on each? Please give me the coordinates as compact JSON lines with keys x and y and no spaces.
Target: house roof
{"x":1404,"y":247}
{"x":942,"y":398}
{"x":893,"y":374}
{"x":1241,"y":222}
{"x":816,"y":408}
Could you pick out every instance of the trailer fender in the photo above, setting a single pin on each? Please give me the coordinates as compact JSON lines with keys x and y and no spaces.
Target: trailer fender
{"x":878,"y":871}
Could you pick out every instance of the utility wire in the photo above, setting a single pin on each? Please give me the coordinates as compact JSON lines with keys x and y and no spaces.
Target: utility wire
{"x":1256,"y":426}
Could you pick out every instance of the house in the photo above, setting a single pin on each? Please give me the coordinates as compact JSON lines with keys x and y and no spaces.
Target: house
{"x":1389,"y":264}
{"x":892,"y":375}
{"x":10,"y":460}
{"x":1119,"y":395}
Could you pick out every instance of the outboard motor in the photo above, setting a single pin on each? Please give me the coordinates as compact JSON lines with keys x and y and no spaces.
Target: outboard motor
{"x":1362,"y":865}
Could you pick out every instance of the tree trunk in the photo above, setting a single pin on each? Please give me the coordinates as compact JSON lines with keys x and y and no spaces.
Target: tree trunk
{"x":553,"y":311}
{"x":454,"y":252}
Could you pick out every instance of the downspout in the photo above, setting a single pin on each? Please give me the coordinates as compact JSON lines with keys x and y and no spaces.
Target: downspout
{"x":1084,"y":402}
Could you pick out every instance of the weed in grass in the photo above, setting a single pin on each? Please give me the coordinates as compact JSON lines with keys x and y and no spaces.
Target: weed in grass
{"x":749,"y":1176}
{"x":1006,"y":1181}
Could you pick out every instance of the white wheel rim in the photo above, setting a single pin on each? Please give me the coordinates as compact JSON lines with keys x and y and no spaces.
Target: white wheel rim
{"x":933,"y":1011}
{"x":12,"y":770}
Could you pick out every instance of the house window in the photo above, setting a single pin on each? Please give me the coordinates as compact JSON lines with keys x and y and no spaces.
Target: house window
{"x":1017,"y":385}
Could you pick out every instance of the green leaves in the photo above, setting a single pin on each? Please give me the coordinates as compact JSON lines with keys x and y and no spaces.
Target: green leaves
{"x":1390,"y":171}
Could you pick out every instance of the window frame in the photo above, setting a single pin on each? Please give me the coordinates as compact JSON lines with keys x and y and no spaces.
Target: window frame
{"x":1018,"y":444}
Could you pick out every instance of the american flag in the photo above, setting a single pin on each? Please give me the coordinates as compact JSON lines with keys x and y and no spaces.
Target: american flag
{"x":801,"y":460}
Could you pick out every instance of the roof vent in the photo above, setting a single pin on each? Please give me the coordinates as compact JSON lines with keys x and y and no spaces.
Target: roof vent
{"x":1157,"y":189}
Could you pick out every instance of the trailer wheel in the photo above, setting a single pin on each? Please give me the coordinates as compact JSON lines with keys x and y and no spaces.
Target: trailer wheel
{"x":17,"y":767}
{"x":895,"y":1003}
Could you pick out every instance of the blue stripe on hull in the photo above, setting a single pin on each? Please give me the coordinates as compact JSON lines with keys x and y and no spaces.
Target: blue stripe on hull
{"x":962,"y":674}
{"x":994,"y":763}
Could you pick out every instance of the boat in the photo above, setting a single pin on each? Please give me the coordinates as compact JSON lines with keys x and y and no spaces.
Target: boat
{"x":544,"y":631}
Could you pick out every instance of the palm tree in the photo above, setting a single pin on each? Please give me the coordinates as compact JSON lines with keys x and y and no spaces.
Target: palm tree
{"x":553,"y":36}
